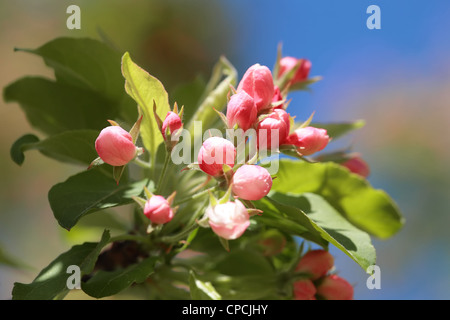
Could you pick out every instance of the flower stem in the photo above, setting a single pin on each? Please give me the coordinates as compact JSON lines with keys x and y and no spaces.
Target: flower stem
{"x":195,"y":196}
{"x":179,"y":236}
{"x":163,"y":173}
{"x":142,"y":164}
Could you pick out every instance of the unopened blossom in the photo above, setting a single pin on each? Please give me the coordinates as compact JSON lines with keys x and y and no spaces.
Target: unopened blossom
{"x":304,"y":290}
{"x":309,"y":140}
{"x":277,"y":98}
{"x":214,"y":153}
{"x":173,"y":122}
{"x":158,"y":210}
{"x":115,"y":146}
{"x":258,"y":83}
{"x":316,"y":263}
{"x":334,"y":287}
{"x":302,"y":73}
{"x":241,"y":110}
{"x":273,"y":130}
{"x":358,"y":166}
{"x":251,"y":182}
{"x":228,"y":220}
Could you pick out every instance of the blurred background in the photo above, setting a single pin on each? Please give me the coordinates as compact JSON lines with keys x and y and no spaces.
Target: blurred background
{"x":396,"y":78}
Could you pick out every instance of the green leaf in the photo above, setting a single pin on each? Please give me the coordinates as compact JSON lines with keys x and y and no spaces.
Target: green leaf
{"x":53,"y":107}
{"x":332,"y":226}
{"x":103,"y":219}
{"x":367,"y":208}
{"x":304,"y":85}
{"x":77,"y":146}
{"x":18,"y":147}
{"x":201,"y":290}
{"x":51,"y":282}
{"x":87,"y":192}
{"x":244,"y":262}
{"x":146,"y":89}
{"x":84,"y":63}
{"x":288,"y":219}
{"x":108,"y":283}
{"x":249,"y":287}
{"x":337,"y":130}
{"x":224,"y":76}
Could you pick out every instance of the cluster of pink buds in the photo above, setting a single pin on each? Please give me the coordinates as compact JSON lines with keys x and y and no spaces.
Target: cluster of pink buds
{"x":318,"y":283}
{"x":258,"y":104}
{"x":230,"y":219}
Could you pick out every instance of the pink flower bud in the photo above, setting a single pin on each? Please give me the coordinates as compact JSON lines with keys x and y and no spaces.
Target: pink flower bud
{"x":276,"y":124}
{"x":158,"y":210}
{"x":172,"y":121}
{"x":358,"y":166}
{"x":304,"y":290}
{"x":242,"y":110}
{"x":115,"y":146}
{"x":258,"y":83}
{"x":316,"y":263}
{"x":288,"y":63}
{"x":251,"y":182}
{"x":309,"y":140}
{"x":214,"y":153}
{"x":334,"y":287}
{"x":277,"y":97}
{"x":228,"y":220}
{"x":272,"y":242}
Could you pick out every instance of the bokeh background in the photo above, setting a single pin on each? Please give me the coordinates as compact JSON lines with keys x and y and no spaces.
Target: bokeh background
{"x":396,"y":78}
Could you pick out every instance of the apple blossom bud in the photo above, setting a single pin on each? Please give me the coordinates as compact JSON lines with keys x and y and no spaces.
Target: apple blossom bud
{"x":358,"y":166}
{"x":304,"y":290}
{"x":214,"y":153}
{"x":316,"y":263}
{"x":158,"y":210}
{"x":272,"y":242}
{"x":277,"y":97}
{"x":115,"y":146}
{"x":228,"y":220}
{"x":288,"y":63}
{"x":241,"y":109}
{"x":277,"y":124}
{"x":309,"y":140}
{"x":251,"y":182}
{"x":334,"y":287}
{"x":172,"y":121}
{"x":258,"y":83}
